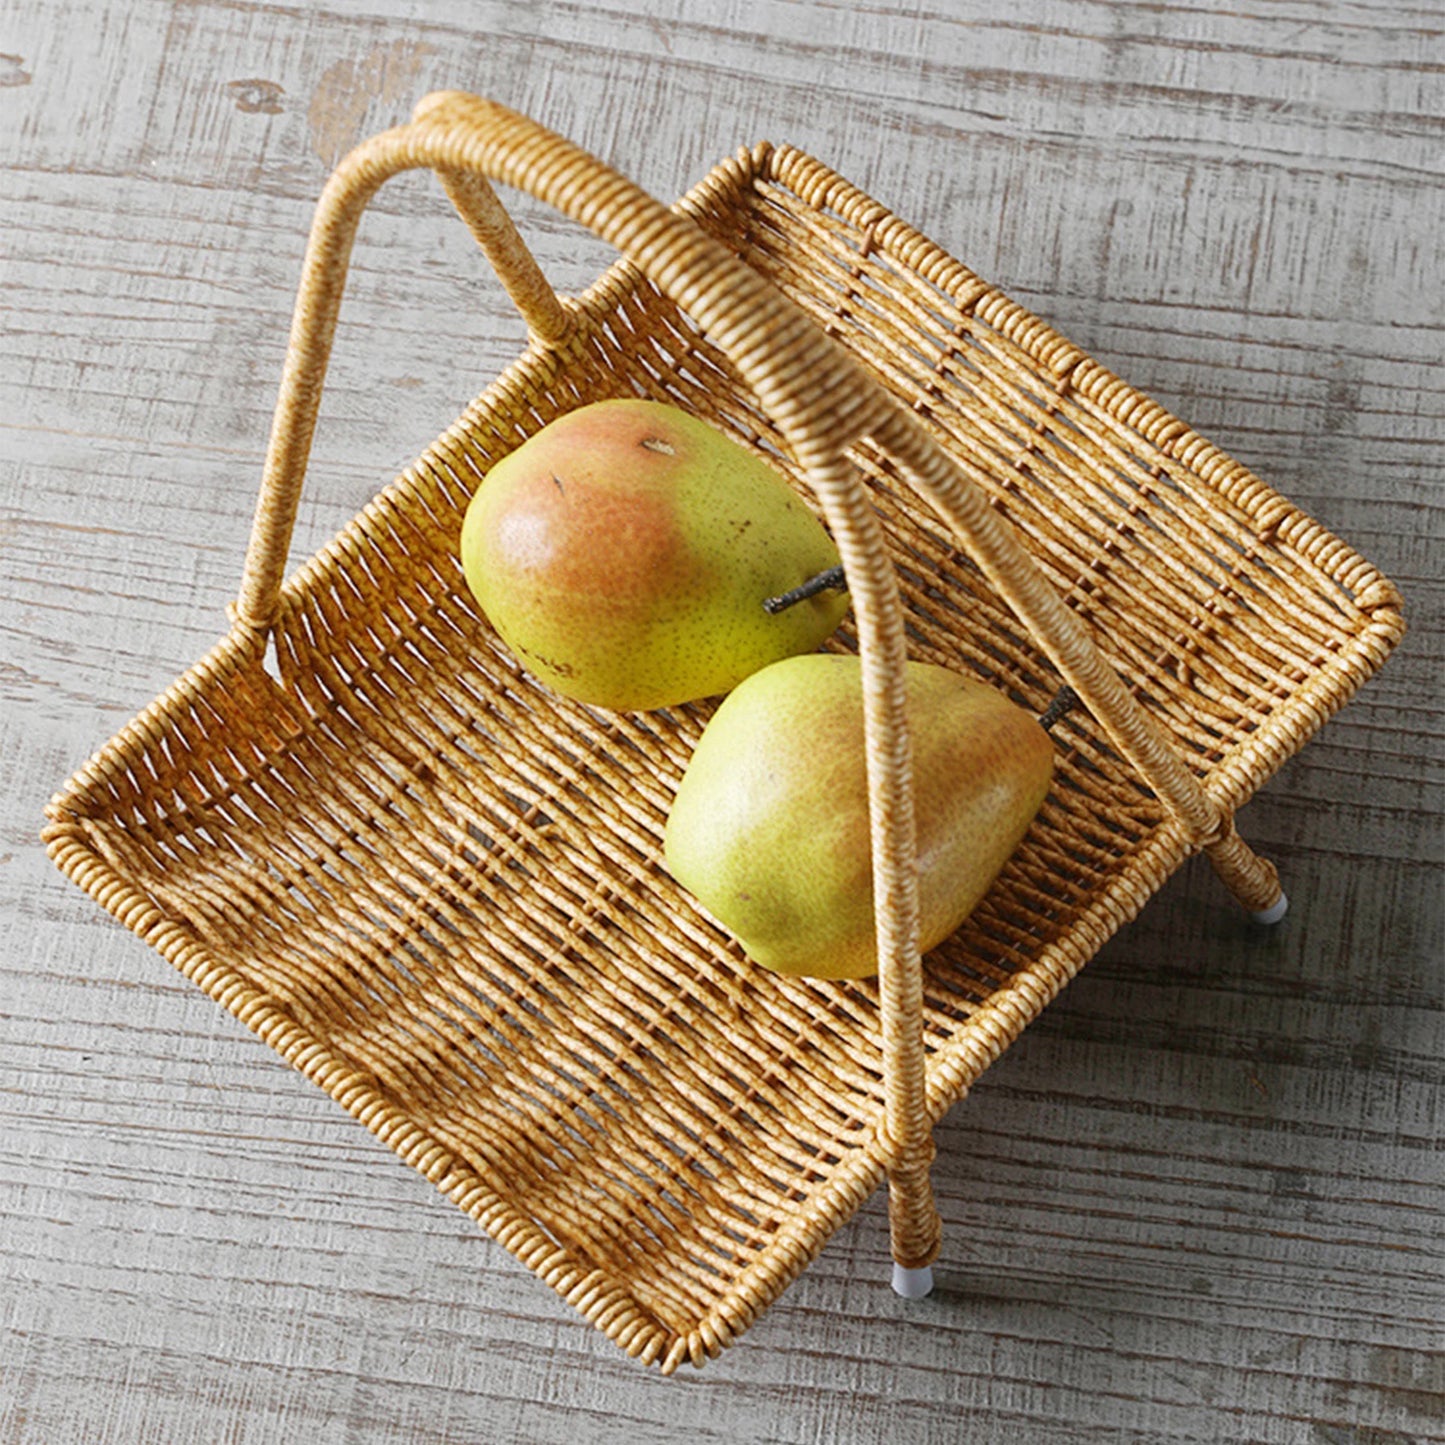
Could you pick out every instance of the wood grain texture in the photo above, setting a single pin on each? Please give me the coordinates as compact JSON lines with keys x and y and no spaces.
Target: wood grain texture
{"x":1201,"y":1199}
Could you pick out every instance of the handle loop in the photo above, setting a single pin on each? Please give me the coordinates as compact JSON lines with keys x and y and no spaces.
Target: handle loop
{"x":819,"y":398}
{"x":822,"y":402}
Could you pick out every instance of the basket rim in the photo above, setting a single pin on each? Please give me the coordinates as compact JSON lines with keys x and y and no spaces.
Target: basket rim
{"x":990,"y":1027}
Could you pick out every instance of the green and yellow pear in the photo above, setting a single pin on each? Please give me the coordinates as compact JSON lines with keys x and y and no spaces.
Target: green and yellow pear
{"x":624,"y":553}
{"x":769,"y":829}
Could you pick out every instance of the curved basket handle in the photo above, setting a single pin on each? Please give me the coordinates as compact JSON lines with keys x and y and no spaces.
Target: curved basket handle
{"x":820,"y":400}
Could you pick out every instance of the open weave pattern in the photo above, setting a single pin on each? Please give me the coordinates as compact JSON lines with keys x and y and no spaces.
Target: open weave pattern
{"x":437,"y":889}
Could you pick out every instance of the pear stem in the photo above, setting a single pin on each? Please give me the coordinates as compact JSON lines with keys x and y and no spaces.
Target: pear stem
{"x":831,"y":579}
{"x":1064,"y":700}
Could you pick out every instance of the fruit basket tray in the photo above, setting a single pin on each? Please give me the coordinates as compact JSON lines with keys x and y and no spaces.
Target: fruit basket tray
{"x":436,"y":888}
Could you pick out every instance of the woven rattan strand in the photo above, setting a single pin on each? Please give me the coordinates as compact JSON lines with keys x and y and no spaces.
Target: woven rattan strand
{"x":435,"y":888}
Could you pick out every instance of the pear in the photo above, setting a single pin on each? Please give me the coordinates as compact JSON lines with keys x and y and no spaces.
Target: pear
{"x":625,"y":551}
{"x":769,"y":829}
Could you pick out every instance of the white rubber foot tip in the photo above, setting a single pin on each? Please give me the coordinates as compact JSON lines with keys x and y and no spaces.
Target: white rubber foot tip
{"x":912,"y":1283}
{"x":1274,"y":913}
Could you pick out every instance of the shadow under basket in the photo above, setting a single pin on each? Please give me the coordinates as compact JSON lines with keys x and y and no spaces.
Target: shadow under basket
{"x":436,"y":888}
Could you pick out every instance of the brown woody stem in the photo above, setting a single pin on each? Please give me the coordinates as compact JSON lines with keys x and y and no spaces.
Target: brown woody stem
{"x":830,"y":580}
{"x":1064,"y":700}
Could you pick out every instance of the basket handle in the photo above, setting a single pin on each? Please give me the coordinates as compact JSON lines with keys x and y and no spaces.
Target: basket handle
{"x":823,"y":403}
{"x":820,"y":399}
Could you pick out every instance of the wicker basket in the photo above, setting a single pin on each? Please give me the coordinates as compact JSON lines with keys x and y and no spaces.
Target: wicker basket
{"x":435,"y":888}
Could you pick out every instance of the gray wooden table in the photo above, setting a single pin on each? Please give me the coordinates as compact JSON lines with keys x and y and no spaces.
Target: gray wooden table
{"x":1201,"y":1200}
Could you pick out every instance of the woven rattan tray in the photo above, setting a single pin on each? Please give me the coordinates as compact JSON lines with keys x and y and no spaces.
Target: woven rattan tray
{"x":437,"y":890}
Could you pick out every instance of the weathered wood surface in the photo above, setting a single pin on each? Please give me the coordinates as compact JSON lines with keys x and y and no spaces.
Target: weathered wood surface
{"x":1201,"y":1200}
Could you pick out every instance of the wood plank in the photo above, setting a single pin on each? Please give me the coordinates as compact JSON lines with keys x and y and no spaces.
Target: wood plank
{"x":1200,"y":1199}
